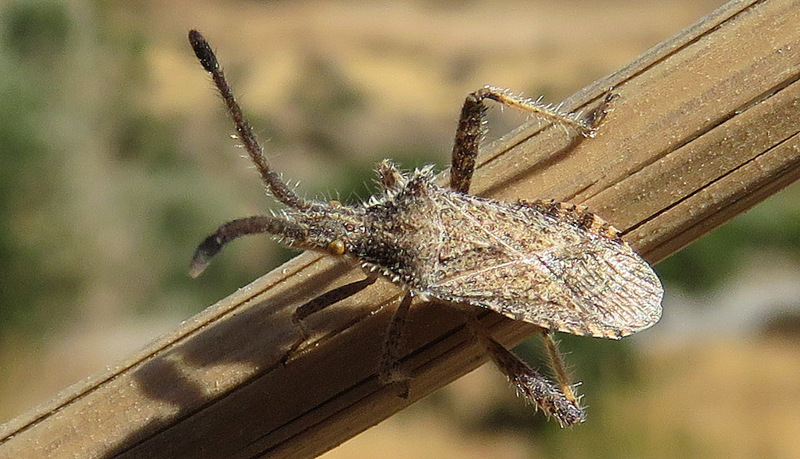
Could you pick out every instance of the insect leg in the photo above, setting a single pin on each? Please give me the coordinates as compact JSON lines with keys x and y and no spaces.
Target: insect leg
{"x":596,"y":116}
{"x":557,"y":364}
{"x":321,"y":302}
{"x":470,"y":127}
{"x":528,"y":382}
{"x":279,"y":189}
{"x":389,"y":370}
{"x":238,"y":228}
{"x":467,"y":141}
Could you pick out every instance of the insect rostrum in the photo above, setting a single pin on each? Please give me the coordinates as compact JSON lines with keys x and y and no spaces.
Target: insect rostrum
{"x":551,"y":264}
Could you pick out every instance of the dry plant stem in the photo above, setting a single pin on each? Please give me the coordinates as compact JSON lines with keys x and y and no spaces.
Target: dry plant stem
{"x":706,"y":126}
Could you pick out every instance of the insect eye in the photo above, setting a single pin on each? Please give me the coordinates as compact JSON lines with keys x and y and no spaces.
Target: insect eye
{"x":336,"y":247}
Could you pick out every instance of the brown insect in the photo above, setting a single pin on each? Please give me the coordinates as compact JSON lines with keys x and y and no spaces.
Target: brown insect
{"x":551,"y":264}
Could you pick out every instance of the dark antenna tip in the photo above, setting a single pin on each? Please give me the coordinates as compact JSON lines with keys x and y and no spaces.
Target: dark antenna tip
{"x":203,"y":51}
{"x":202,"y":256}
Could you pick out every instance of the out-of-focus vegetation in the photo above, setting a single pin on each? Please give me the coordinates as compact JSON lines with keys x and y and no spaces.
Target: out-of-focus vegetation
{"x":114,"y":163}
{"x":33,"y":42}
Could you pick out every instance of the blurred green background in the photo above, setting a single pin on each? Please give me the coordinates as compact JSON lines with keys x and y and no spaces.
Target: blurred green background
{"x":116,"y":160}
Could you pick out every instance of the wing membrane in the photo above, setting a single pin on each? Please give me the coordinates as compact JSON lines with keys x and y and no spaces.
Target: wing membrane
{"x":534,"y":265}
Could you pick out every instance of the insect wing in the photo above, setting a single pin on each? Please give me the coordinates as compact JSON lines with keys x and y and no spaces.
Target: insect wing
{"x":543,"y":267}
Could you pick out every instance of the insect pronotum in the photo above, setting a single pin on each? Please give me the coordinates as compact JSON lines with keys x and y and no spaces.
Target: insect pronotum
{"x":551,"y":264}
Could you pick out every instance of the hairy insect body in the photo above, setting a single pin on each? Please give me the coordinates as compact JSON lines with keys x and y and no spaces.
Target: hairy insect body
{"x":550,"y":264}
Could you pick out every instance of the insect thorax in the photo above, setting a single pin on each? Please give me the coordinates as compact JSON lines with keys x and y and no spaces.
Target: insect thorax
{"x":401,"y":232}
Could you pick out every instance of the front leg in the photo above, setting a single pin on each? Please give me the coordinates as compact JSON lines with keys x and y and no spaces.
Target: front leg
{"x":318,"y":304}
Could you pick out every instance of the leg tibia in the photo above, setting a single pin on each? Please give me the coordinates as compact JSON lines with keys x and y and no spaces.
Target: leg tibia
{"x":557,"y":364}
{"x":534,"y":106}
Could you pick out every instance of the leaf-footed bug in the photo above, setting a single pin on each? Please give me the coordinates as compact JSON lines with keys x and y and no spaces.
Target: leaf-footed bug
{"x":554,"y":265}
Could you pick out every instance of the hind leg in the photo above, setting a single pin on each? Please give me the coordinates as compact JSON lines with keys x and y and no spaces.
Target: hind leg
{"x":471,"y":121}
{"x":559,"y":402}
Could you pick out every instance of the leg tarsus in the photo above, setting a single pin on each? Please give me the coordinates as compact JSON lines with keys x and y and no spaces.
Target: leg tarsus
{"x":304,"y":334}
{"x":595,"y":116}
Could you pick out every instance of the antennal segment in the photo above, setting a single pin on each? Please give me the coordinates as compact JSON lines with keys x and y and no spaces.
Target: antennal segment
{"x":279,"y":189}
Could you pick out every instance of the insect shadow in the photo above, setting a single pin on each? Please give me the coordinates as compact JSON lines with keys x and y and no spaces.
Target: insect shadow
{"x":550,"y":264}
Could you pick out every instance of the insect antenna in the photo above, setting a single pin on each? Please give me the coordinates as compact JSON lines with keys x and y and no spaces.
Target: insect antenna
{"x":237,"y":228}
{"x":277,"y":187}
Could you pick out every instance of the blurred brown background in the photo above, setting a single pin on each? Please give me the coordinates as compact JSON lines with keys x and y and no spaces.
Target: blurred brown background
{"x":115,"y":161}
